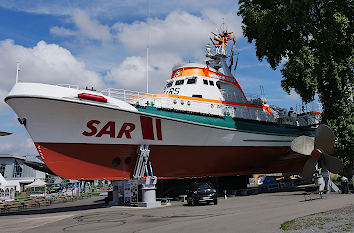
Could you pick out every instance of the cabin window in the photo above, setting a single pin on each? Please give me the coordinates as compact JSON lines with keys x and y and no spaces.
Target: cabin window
{"x":179,"y":82}
{"x":218,"y":85}
{"x":17,"y":172}
{"x":205,"y":81}
{"x":169,"y":84}
{"x":191,"y":81}
{"x":197,"y":96}
{"x":211,"y":83}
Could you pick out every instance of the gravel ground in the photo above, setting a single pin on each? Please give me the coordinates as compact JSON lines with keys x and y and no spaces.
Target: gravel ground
{"x":339,"y":220}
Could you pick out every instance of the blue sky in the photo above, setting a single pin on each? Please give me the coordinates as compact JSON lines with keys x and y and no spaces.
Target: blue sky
{"x":103,"y":44}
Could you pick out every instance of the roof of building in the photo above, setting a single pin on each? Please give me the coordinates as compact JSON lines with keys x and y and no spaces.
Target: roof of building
{"x":12,"y":156}
{"x":2,"y":133}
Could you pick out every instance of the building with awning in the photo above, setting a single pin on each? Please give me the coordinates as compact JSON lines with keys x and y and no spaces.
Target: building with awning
{"x":36,"y":184}
{"x":7,"y":190}
{"x":14,"y":169}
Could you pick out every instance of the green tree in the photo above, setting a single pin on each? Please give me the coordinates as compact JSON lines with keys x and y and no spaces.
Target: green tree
{"x":312,"y":41}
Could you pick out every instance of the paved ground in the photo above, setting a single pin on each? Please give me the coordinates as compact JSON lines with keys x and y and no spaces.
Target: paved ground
{"x":258,"y":213}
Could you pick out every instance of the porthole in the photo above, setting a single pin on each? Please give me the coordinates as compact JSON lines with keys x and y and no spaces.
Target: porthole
{"x":128,"y":160}
{"x":116,"y":161}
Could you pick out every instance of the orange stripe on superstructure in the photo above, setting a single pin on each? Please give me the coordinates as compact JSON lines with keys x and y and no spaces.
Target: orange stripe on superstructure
{"x":205,"y":72}
{"x":193,"y":71}
{"x":267,"y":108}
{"x":186,"y":71}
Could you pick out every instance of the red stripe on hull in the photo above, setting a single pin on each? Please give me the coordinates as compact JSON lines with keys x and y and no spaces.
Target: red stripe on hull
{"x":158,"y":129}
{"x":147,"y":128}
{"x":99,"y":161}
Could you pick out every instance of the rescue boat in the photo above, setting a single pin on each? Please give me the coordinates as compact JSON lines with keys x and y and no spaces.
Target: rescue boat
{"x":201,"y":125}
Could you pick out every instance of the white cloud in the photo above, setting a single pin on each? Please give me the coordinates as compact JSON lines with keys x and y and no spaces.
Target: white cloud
{"x":60,"y":31}
{"x":86,"y":28}
{"x":46,"y":63}
{"x":3,"y":94}
{"x":114,"y":9}
{"x":293,"y":96}
{"x":90,"y":28}
{"x":131,"y":73}
{"x":180,"y":32}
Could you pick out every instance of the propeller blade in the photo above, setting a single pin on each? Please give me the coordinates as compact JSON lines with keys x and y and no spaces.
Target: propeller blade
{"x":333,"y":164}
{"x":307,"y":171}
{"x":324,"y":139}
{"x":303,"y":145}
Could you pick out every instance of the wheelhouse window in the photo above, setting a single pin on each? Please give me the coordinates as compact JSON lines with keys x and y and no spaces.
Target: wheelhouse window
{"x":2,"y":169}
{"x":17,"y":172}
{"x":191,"y":81}
{"x":179,"y":82}
{"x":205,"y":81}
{"x":211,"y":83}
{"x":218,"y":85}
{"x":197,"y":96}
{"x":169,"y":84}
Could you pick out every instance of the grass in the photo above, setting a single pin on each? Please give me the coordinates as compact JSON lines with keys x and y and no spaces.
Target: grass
{"x":329,"y":220}
{"x":308,"y":221}
{"x":288,"y":225}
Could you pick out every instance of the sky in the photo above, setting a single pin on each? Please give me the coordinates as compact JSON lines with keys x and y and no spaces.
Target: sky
{"x":102,"y":44}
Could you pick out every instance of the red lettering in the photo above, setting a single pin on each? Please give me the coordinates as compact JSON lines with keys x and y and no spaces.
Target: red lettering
{"x":91,"y":127}
{"x":109,"y":128}
{"x":126,"y":129}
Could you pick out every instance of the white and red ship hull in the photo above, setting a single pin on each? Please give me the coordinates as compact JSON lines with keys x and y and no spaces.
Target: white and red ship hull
{"x":83,"y":139}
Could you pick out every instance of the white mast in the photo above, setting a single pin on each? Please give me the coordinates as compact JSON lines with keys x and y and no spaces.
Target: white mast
{"x":147,"y":50}
{"x":147,"y":69}
{"x":17,"y":71}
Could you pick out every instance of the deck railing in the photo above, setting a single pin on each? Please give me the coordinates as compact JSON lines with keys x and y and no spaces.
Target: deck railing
{"x":121,"y":94}
{"x":175,"y":104}
{"x":69,"y":86}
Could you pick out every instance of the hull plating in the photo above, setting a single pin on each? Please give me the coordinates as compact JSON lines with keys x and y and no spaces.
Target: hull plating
{"x":81,"y":140}
{"x":116,"y":162}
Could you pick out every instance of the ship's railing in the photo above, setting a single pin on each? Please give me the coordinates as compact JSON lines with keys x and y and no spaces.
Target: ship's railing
{"x":255,"y":99}
{"x":183,"y":105}
{"x":251,"y":96}
{"x":69,"y":86}
{"x":121,"y":94}
{"x":201,"y":107}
